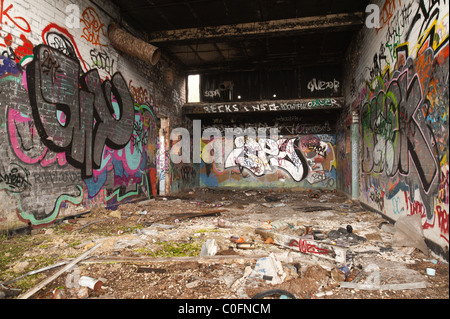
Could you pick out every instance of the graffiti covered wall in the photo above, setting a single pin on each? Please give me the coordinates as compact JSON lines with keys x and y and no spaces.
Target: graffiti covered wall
{"x":399,"y":85}
{"x":300,"y":155}
{"x":78,"y":120}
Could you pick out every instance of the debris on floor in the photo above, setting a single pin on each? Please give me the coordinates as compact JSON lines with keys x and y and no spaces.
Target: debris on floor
{"x":231,"y":244}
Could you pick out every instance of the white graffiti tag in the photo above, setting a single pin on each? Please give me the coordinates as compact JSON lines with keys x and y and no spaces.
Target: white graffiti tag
{"x":262,"y":156}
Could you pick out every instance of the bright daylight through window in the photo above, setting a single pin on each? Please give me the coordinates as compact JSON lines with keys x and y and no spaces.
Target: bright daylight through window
{"x":194,"y":88}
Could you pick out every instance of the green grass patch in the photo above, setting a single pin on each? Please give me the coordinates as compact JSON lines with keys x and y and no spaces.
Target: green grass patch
{"x":172,"y":249}
{"x":12,"y":251}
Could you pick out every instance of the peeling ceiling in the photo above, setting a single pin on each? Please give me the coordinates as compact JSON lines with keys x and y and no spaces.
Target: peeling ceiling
{"x":211,"y":35}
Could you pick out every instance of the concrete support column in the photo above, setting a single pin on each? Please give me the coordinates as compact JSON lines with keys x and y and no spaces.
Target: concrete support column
{"x":355,"y":155}
{"x":163,"y":162}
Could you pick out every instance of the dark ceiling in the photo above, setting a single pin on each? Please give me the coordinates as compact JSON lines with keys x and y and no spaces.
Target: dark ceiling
{"x":211,"y":35}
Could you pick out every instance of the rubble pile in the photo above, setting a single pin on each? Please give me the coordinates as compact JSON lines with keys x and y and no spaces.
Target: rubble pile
{"x":209,"y":243}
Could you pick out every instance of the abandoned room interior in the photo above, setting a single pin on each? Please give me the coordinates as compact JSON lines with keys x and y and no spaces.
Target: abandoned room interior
{"x":233,"y":149}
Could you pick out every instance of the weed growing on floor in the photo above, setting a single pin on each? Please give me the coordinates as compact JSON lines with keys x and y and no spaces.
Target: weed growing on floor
{"x":171,"y":249}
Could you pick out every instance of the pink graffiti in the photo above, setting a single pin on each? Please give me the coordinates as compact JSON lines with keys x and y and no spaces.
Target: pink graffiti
{"x":443,"y":193}
{"x":43,"y":156}
{"x":99,"y":199}
{"x":130,"y":156}
{"x":27,"y":146}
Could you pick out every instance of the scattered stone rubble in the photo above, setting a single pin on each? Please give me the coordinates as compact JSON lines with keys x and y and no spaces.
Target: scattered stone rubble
{"x":248,"y":244}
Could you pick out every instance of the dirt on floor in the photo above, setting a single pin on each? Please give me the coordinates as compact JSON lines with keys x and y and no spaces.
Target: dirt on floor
{"x":180,"y":247}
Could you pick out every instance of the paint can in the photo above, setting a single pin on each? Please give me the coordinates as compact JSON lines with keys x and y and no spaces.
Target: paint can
{"x":89,"y":282}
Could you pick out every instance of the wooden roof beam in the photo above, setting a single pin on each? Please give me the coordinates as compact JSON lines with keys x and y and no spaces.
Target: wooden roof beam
{"x":335,"y":22}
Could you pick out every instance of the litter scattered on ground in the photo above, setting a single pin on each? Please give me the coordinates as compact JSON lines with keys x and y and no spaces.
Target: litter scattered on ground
{"x":209,"y":248}
{"x":269,"y":269}
{"x":209,"y":243}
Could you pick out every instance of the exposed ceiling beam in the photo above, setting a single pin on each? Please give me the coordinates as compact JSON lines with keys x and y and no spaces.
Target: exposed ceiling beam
{"x":288,"y":62}
{"x":335,"y":22}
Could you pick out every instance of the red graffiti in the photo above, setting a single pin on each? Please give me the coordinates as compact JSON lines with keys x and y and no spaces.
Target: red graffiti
{"x":22,"y":50}
{"x":152,"y":173}
{"x":443,"y":221}
{"x":98,"y":199}
{"x":418,"y":208}
{"x":18,"y":53}
{"x":423,"y":65}
{"x":415,"y":207}
{"x":306,"y":247}
{"x":139,"y":94}
{"x":19,"y":22}
{"x":387,"y":12}
{"x":53,"y":27}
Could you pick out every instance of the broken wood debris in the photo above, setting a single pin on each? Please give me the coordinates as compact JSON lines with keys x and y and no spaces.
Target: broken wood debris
{"x":183,"y":216}
{"x":149,"y":260}
{"x":60,"y":272}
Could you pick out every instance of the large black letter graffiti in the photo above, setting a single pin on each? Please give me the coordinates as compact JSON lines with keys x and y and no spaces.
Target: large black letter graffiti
{"x":76,"y":114}
{"x":393,"y":132}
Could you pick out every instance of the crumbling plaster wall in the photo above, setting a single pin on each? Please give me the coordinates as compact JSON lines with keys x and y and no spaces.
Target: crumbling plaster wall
{"x":397,"y":83}
{"x":78,"y":119}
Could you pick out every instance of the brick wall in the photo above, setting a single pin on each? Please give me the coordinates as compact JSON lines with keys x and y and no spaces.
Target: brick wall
{"x":397,"y":80}
{"x":78,"y":119}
